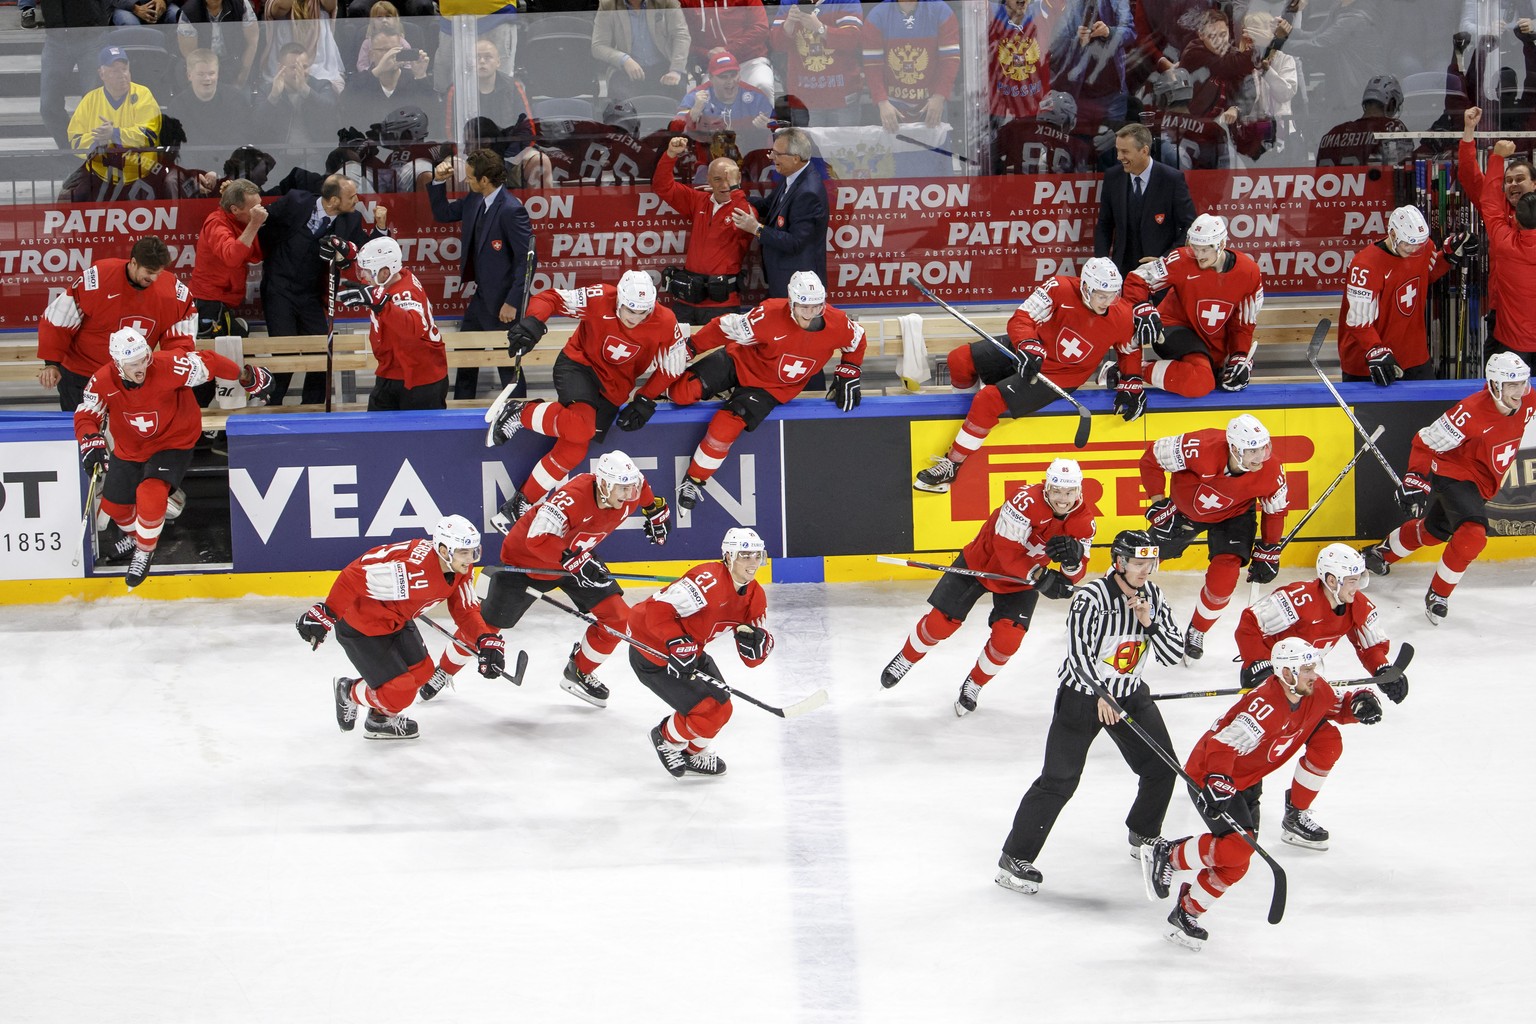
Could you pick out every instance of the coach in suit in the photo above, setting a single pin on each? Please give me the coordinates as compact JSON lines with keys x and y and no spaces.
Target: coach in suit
{"x":791,"y":221}
{"x":1145,"y":208}
{"x":496,"y":234}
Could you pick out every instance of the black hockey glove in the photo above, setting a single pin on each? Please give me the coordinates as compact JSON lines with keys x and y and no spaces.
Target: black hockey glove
{"x":1460,"y":247}
{"x":338,"y":251}
{"x":682,"y":656}
{"x":1215,"y":797}
{"x":846,"y":388}
{"x":636,"y":414}
{"x":524,"y":334}
{"x":1366,"y":707}
{"x":356,"y":295}
{"x":1266,"y":563}
{"x":315,"y":625}
{"x":1031,"y":357}
{"x":1235,"y":375}
{"x":1054,"y":585}
{"x":1254,"y":674}
{"x":753,"y":643}
{"x":658,"y":517}
{"x":492,"y":654}
{"x":93,"y":452}
{"x":589,"y":571}
{"x":1397,"y":689}
{"x":1413,"y":496}
{"x":1068,"y":551}
{"x":1130,"y":397}
{"x":1167,"y":522}
{"x":1382,"y":366}
{"x":1148,"y":325}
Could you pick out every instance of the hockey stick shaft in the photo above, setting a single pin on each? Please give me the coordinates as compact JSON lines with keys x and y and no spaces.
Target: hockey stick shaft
{"x":639,"y":577}
{"x":1312,"y":350}
{"x":89,"y":514}
{"x":1277,"y":901}
{"x":330,"y":332}
{"x":1381,"y":429}
{"x":528,"y":264}
{"x":932,"y":149}
{"x":955,"y":569}
{"x":810,"y":703}
{"x":522,"y":656}
{"x":1391,"y":674}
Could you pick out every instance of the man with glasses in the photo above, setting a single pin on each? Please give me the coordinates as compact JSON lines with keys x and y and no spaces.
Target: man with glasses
{"x":791,"y":221}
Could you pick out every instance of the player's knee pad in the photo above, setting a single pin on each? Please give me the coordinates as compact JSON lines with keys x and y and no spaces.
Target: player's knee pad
{"x":1324,"y":747}
{"x":578,"y":423}
{"x":506,"y":601}
{"x":987,"y":407}
{"x":751,"y":406}
{"x":1006,"y":637}
{"x":708,"y":717}
{"x":151,"y":497}
{"x":397,"y":694}
{"x":937,"y":626}
{"x":612,"y":610}
{"x":724,"y":428}
{"x":962,"y":368}
{"x":1469,"y":539}
{"x":1230,"y":857}
{"x":422,"y":670}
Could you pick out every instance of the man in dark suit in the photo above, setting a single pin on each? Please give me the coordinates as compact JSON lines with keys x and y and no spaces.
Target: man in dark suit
{"x":1145,"y":209}
{"x":293,"y":283}
{"x":791,"y":221}
{"x":497,"y":235}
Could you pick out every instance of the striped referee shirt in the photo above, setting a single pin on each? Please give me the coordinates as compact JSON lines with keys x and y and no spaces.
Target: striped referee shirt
{"x":1106,"y":642}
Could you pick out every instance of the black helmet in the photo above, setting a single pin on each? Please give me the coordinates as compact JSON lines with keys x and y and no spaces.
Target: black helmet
{"x":403,"y":124}
{"x":1133,"y":544}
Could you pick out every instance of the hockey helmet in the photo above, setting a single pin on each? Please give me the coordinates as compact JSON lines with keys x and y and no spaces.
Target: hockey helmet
{"x":1208,"y":229}
{"x":1386,"y":90}
{"x":1295,"y":654}
{"x":637,"y":291}
{"x":739,"y":540}
{"x":806,"y":289}
{"x":1502,"y":368}
{"x":1063,"y":486}
{"x":1408,"y":226}
{"x":618,"y":478}
{"x":1130,"y":544}
{"x":1341,"y":562}
{"x":621,"y":114}
{"x":1058,"y":108}
{"x":1172,"y":86}
{"x":127,"y":347}
{"x":455,"y":533}
{"x":1246,"y":434}
{"x":1100,"y":275}
{"x":381,"y":258}
{"x":402,"y":125}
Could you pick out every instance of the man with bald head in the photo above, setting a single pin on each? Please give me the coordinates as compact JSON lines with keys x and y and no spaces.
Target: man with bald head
{"x":707,"y":285}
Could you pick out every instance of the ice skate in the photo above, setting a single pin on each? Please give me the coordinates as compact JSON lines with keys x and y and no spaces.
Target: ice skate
{"x":1376,"y":559}
{"x":898,"y":667}
{"x":502,"y":417}
{"x":511,"y":510}
{"x":139,"y":567}
{"x":690,"y":492}
{"x":938,"y":478}
{"x":379,"y":726}
{"x":1436,"y":608}
{"x":1017,"y":875}
{"x":705,"y":762}
{"x":1194,"y":645}
{"x":966,"y":702}
{"x":1157,"y":867}
{"x":114,"y":544}
{"x":1186,"y":930}
{"x":1137,"y":841}
{"x":346,"y":707}
{"x":434,"y":686}
{"x":1299,"y":828}
{"x":673,"y":758}
{"x":579,"y":684}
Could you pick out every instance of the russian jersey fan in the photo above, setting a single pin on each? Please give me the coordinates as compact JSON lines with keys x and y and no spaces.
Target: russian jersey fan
{"x":621,"y":335}
{"x":1261,"y":732}
{"x":1322,"y":612}
{"x":1358,"y":143}
{"x":1455,"y":466}
{"x":1043,"y":143}
{"x":145,"y":399}
{"x":412,"y":361}
{"x":1201,"y":333}
{"x":372,"y":607}
{"x":1061,"y":331}
{"x":1113,"y":623}
{"x":764,"y":358}
{"x":553,"y":548}
{"x":1009,"y":558}
{"x":1209,"y":481}
{"x":710,"y":600}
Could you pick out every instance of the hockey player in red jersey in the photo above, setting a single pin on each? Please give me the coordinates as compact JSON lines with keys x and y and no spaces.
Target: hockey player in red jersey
{"x":621,"y":335}
{"x":1217,"y":477}
{"x":413,"y":364}
{"x":765,"y":357}
{"x":679,"y":622}
{"x":1201,"y":332}
{"x":1321,"y":611}
{"x":1040,"y":524}
{"x":372,"y":607}
{"x":1062,"y":331}
{"x":144,"y":399}
{"x":1261,"y":732}
{"x":552,"y":549}
{"x":1357,"y":143}
{"x":1042,"y":142}
{"x":112,"y":294}
{"x":1456,"y":464}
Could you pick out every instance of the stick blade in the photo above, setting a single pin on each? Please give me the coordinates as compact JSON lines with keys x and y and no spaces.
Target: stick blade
{"x":1277,"y":901}
{"x":1084,"y":426}
{"x":520,"y":668}
{"x":1315,"y":346}
{"x":806,"y":706}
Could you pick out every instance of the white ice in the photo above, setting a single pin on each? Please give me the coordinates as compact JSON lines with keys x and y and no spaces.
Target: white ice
{"x":186,"y":836}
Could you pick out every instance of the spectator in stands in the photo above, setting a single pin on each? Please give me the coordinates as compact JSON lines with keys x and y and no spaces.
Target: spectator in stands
{"x":225,"y":28}
{"x":496,"y":235}
{"x":74,"y":331}
{"x":504,"y":104}
{"x":1217,"y":67}
{"x":1348,"y":42}
{"x":644,"y":44}
{"x":226,"y":246}
{"x":383,"y":17}
{"x":1019,"y":59}
{"x":740,"y":26}
{"x":29,"y":16}
{"x":791,"y":221}
{"x":300,"y":110}
{"x":1355,"y":143}
{"x":708,"y":283}
{"x":1095,"y":60}
{"x":823,"y":46}
{"x":911,"y":59}
{"x":402,"y":159}
{"x":309,"y":24}
{"x":213,"y":117}
{"x":402,"y":8}
{"x":145,"y":12}
{"x":495,"y":20}
{"x":1264,"y":104}
{"x":1144,"y":206}
{"x":62,"y":53}
{"x":725,"y":104}
{"x":116,"y":127}
{"x":398,"y":78}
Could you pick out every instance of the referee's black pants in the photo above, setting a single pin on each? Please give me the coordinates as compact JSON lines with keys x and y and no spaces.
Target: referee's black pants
{"x":1074,"y":725}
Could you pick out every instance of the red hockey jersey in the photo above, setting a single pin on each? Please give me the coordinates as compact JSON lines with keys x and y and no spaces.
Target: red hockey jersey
{"x":78,"y":323}
{"x":404,"y":336}
{"x":1303,"y":610}
{"x":617,"y":354}
{"x":567,"y":520}
{"x":1191,"y":142}
{"x":1074,"y":336}
{"x":1262,"y":731}
{"x":157,"y":416}
{"x":1029,"y":146}
{"x":1472,"y":440}
{"x":1354,"y":143}
{"x":702,"y":605}
{"x":1383,"y":304}
{"x":1012,"y":540}
{"x":1221,"y":307}
{"x":1204,"y":490}
{"x":371,"y":608}
{"x":772,"y":352}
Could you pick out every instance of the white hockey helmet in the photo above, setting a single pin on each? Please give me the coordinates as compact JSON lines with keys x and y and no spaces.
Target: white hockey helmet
{"x":1408,"y":225}
{"x":126,"y":346}
{"x":1208,"y":229}
{"x":1245,"y":433}
{"x":1063,"y":486}
{"x":1295,"y":654}
{"x":1100,"y":275}
{"x":381,"y":258}
{"x":1502,"y":368}
{"x":1058,"y":108}
{"x":618,"y":476}
{"x":455,"y":533}
{"x":1341,"y":561}
{"x":637,"y":291}
{"x":806,"y":289}
{"x":740,"y":540}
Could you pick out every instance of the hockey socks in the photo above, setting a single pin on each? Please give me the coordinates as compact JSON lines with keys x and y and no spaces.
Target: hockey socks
{"x":987,"y":408}
{"x":1190,"y":376}
{"x":931,"y":630}
{"x":1464,"y":546}
{"x":1220,"y":582}
{"x":1003,"y":644}
{"x":723,"y":431}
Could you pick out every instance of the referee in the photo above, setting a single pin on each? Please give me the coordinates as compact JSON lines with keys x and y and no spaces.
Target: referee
{"x":1109,"y":627}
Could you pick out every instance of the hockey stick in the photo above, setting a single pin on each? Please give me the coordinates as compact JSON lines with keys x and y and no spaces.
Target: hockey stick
{"x":88,"y":517}
{"x":529,"y":262}
{"x":1391,"y":674}
{"x":1277,"y":901}
{"x":932,"y":149}
{"x":802,"y":707}
{"x":332,"y":273}
{"x":1085,"y":418}
{"x":520,"y":664}
{"x":1331,"y":487}
{"x":957,"y":570}
{"x":1313,"y":349}
{"x":616,"y":575}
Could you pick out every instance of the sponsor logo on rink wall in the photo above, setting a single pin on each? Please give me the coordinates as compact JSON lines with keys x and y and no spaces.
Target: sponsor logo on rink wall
{"x":41,"y":497}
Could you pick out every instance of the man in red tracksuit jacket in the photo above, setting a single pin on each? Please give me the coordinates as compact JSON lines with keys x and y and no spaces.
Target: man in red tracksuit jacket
{"x":716,"y":246}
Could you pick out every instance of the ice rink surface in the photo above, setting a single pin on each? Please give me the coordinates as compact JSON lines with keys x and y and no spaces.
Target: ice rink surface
{"x":188,"y":837}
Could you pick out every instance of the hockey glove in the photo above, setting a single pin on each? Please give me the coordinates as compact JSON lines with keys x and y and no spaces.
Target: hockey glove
{"x":1366,"y":707}
{"x":637,"y":413}
{"x":1234,"y":376}
{"x":1254,"y":674}
{"x":315,"y":625}
{"x":682,"y":656}
{"x":658,"y":516}
{"x":356,"y":295}
{"x":1460,"y":247}
{"x":1413,"y":496}
{"x":338,"y":251}
{"x":845,"y":389}
{"x":492,"y":654}
{"x":1068,"y":551}
{"x":1215,"y":798}
{"x":1397,"y":689}
{"x":1031,"y":356}
{"x":256,"y":381}
{"x":1266,"y":563}
{"x":93,"y":452}
{"x":753,"y":643}
{"x":1130,"y":397}
{"x":1148,"y":325}
{"x":1382,"y":366}
{"x":1167,"y":522}
{"x":1054,"y":585}
{"x":523,"y":335}
{"x":589,"y":571}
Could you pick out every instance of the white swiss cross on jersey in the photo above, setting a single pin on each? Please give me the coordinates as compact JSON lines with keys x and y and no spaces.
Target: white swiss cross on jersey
{"x":1210,"y":314}
{"x":1208,"y":499}
{"x":143,"y":324}
{"x":1071,"y":347}
{"x":1504,"y":454}
{"x":1408,"y":296}
{"x":793,"y":368}
{"x":618,"y":350}
{"x":146,"y":423}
